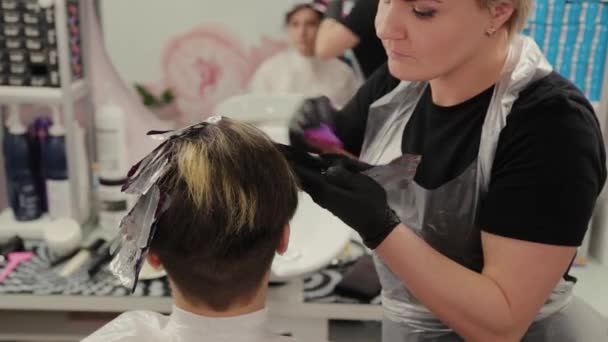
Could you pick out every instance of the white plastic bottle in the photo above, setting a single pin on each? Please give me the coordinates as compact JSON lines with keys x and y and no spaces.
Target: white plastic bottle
{"x":58,"y":189}
{"x":111,"y":137}
{"x":113,"y":205}
{"x":84,"y":179}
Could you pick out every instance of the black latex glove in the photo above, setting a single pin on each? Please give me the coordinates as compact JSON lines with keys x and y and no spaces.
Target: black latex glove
{"x":311,"y":114}
{"x":352,"y":165}
{"x":303,"y":159}
{"x":321,"y":163}
{"x":353,"y":197}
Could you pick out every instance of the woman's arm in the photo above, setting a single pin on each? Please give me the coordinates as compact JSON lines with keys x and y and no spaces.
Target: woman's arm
{"x":497,"y":305}
{"x":338,"y":34}
{"x":333,"y":39}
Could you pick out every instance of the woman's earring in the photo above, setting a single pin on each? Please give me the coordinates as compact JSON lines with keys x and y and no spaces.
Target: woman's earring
{"x":490,"y":32}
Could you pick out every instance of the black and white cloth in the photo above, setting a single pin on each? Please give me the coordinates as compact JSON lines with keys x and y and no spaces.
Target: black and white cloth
{"x":37,"y":277}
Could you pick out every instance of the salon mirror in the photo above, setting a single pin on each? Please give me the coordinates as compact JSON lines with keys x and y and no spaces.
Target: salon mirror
{"x":204,"y":54}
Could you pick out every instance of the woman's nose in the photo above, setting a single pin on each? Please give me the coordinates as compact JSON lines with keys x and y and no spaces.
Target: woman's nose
{"x":390,"y":23}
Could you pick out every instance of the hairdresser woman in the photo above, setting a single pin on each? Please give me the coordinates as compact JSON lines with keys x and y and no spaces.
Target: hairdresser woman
{"x":487,"y":168}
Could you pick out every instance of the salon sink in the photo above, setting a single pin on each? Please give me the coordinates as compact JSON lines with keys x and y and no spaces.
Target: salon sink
{"x":317,"y":236}
{"x":257,"y":108}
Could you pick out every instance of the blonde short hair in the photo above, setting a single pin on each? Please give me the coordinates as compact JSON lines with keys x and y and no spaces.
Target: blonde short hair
{"x":232,"y":193}
{"x":522,"y":10}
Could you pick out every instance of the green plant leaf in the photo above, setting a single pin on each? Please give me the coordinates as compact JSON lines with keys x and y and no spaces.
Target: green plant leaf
{"x":167,"y":96}
{"x":147,"y":98}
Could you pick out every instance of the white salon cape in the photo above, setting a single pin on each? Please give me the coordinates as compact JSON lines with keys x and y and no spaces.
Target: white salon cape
{"x":291,"y":73}
{"x":183,"y":326}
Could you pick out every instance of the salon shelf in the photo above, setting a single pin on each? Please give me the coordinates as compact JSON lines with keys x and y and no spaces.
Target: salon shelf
{"x":41,"y":95}
{"x":359,"y":312}
{"x":70,"y":318}
{"x":65,"y":318}
{"x":284,"y":301}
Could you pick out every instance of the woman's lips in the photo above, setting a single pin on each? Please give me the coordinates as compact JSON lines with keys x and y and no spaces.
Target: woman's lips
{"x":393,"y":54}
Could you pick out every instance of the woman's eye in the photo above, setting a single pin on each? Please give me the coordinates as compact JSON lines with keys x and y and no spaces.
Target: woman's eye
{"x":424,"y":13}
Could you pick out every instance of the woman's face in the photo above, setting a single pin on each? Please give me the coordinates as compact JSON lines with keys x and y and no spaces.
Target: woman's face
{"x":302,"y":29}
{"x":427,"y":39}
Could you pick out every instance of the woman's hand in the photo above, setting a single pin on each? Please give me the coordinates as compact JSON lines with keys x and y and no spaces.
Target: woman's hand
{"x":353,"y":197}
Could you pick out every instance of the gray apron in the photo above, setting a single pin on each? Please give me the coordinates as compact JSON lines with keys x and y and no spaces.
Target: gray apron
{"x":445,"y":217}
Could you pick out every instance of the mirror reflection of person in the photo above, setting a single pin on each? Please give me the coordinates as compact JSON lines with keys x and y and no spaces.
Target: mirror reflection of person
{"x":298,"y":71}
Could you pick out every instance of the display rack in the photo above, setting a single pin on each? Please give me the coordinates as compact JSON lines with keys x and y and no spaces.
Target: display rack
{"x":42,"y":95}
{"x":70,"y":92}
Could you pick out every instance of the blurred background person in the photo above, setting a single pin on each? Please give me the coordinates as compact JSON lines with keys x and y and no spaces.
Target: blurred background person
{"x":298,"y":71}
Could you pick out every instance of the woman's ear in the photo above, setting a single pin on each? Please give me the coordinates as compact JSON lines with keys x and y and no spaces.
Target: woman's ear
{"x":154,"y":261}
{"x":501,"y":12}
{"x":284,"y":241}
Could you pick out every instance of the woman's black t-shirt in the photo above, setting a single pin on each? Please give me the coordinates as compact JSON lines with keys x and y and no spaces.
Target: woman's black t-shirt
{"x":549,"y":166}
{"x":369,"y":51}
